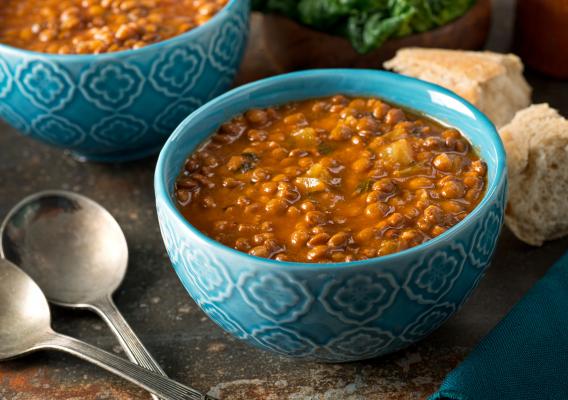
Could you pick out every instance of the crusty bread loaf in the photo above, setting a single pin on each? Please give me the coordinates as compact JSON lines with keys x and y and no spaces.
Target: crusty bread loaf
{"x":492,"y":82}
{"x":536,"y":141}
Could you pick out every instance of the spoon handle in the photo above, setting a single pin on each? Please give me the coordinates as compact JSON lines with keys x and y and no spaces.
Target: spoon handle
{"x":152,"y":382}
{"x":132,"y":346}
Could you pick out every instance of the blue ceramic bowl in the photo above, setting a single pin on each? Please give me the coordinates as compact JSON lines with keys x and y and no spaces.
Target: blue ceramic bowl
{"x":343,"y":311}
{"x":123,"y":105}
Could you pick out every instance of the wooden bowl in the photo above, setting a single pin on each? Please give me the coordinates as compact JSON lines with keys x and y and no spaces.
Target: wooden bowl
{"x":292,"y":46}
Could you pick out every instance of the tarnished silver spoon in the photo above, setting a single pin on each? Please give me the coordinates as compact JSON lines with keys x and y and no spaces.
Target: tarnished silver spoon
{"x":76,"y":252}
{"x":25,"y":327}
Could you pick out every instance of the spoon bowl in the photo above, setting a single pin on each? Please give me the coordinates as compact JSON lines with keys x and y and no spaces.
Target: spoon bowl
{"x":25,"y":326}
{"x":71,"y":246}
{"x":24,"y":312}
{"x":76,"y":252}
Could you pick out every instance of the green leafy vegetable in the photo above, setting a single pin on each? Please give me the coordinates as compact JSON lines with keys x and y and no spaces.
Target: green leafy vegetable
{"x":249,"y":162}
{"x":252,"y":157}
{"x":368,"y":23}
{"x":325,"y":148}
{"x":245,"y":167}
{"x":364,"y":186}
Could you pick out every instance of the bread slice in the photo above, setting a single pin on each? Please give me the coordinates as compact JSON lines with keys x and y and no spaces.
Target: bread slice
{"x":536,"y":141}
{"x":492,"y":82}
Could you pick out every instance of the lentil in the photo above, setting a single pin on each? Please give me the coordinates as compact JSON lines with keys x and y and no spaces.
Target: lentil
{"x":291,"y":183}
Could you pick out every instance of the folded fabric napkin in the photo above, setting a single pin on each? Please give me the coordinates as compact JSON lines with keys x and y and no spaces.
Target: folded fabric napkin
{"x":525,"y":357}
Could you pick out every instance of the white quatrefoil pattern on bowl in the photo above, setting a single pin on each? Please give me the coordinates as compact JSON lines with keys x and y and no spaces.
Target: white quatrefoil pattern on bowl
{"x":284,"y":341}
{"x":119,"y":131}
{"x":434,"y":275}
{"x":223,"y":320}
{"x":206,"y":273}
{"x":427,"y":322}
{"x":276,"y":296}
{"x":176,"y":72}
{"x":175,"y":113}
{"x":67,"y":132}
{"x":360,"y":343}
{"x":226,"y":45}
{"x":359,"y":298}
{"x":111,"y":86}
{"x":46,"y":85}
{"x":486,"y":236}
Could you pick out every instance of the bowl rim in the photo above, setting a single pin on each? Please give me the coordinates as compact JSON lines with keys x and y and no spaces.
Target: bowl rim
{"x":8,"y":49}
{"x":161,"y":190}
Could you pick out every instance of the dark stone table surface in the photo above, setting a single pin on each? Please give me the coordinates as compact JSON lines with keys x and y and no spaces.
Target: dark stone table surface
{"x":190,"y":347}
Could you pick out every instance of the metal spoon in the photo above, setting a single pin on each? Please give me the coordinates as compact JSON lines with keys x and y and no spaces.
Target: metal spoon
{"x":25,"y":326}
{"x":76,"y":252}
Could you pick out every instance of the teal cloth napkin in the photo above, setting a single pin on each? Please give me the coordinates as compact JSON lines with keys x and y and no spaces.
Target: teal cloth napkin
{"x":525,"y":357}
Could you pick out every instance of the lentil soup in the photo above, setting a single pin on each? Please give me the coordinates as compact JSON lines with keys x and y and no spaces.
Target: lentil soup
{"x":330,"y":180}
{"x":98,"y":26}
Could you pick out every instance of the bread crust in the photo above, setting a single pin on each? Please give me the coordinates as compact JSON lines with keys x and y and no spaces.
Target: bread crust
{"x":492,"y":82}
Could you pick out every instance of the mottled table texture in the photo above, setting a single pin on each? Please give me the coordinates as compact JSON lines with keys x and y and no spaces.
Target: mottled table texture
{"x":190,"y":347}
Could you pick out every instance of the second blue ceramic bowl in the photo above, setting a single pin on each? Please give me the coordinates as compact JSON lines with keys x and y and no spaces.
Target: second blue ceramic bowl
{"x":345,"y":311}
{"x":123,"y":105}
